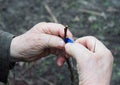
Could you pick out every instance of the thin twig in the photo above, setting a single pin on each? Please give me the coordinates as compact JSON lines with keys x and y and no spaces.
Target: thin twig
{"x":44,"y":80}
{"x":65,"y":35}
{"x":50,"y":83}
{"x":68,"y":60}
{"x":29,"y":68}
{"x":51,"y":13}
{"x":102,"y":14}
{"x":65,"y":30}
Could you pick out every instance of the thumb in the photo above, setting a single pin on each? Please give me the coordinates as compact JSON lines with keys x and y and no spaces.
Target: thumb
{"x":77,"y":50}
{"x":54,"y":41}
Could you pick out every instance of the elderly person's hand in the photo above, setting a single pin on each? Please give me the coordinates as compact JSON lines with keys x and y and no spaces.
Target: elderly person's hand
{"x":43,"y":39}
{"x":94,"y":61}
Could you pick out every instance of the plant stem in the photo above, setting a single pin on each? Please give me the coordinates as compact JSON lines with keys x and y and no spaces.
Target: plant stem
{"x":68,"y":61}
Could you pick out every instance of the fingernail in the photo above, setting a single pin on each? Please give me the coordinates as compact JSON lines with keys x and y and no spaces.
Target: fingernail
{"x":68,"y":45}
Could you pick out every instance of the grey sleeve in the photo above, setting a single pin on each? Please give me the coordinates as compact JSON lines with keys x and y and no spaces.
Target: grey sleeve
{"x":5,"y":63}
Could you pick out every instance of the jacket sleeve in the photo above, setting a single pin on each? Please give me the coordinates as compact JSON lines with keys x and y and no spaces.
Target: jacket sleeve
{"x":5,"y":63}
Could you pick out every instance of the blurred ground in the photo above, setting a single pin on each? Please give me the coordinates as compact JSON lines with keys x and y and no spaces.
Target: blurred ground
{"x":100,"y":18}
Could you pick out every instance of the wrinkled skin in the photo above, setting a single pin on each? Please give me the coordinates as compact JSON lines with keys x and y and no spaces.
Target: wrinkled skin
{"x":41,"y":40}
{"x":94,"y":61}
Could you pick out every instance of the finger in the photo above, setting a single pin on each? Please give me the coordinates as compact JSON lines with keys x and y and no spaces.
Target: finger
{"x":53,"y":41}
{"x":54,"y":29}
{"x":77,"y":50}
{"x":92,"y":44}
{"x":60,"y":60}
{"x":36,"y":57}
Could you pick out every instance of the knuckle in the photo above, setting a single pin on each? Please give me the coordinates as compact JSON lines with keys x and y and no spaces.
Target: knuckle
{"x":60,"y":25}
{"x":91,"y":37}
{"x":39,"y":24}
{"x":110,"y":55}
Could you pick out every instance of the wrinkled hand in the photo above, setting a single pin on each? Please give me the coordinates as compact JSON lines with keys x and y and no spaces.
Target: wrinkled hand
{"x":94,"y":61}
{"x":43,"y":39}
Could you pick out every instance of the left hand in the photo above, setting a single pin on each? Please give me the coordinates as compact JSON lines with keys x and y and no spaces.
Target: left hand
{"x":42,"y":40}
{"x":94,"y":60}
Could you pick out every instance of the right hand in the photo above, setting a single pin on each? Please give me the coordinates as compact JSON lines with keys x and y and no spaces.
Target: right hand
{"x":94,"y":61}
{"x":40,"y":41}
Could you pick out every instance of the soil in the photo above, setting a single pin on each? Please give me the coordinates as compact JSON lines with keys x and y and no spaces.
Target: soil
{"x":99,"y":18}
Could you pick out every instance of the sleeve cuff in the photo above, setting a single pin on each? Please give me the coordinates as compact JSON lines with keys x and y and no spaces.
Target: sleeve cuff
{"x":5,"y":63}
